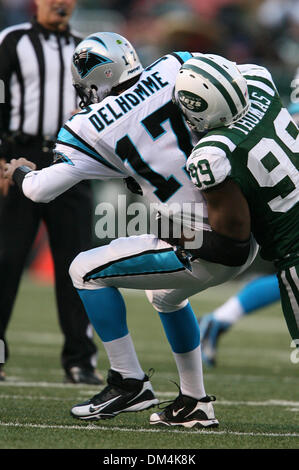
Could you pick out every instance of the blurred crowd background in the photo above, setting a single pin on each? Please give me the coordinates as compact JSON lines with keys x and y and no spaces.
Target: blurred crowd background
{"x":265,"y":32}
{"x":246,"y":31}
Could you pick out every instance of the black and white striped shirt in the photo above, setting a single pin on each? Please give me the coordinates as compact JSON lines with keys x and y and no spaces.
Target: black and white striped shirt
{"x":35,"y":66}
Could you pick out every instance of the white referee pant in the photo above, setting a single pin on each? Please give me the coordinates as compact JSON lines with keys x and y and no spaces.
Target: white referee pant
{"x":148,"y":263}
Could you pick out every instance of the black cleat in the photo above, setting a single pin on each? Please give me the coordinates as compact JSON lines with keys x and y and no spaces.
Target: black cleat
{"x":188,"y":412}
{"x":119,"y":396}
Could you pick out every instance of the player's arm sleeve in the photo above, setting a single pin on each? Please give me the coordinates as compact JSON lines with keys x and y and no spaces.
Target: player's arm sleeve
{"x":208,"y":165}
{"x":72,"y":167}
{"x":46,"y":184}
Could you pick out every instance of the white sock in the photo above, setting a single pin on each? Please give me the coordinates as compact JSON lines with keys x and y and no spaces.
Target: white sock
{"x":123,"y":358}
{"x":230,"y":311}
{"x":189,"y":367}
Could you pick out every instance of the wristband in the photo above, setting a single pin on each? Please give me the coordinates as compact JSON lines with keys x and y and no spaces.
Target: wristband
{"x":19,"y":175}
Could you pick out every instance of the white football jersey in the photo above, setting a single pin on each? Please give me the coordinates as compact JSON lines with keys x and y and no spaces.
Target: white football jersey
{"x":139,"y":133}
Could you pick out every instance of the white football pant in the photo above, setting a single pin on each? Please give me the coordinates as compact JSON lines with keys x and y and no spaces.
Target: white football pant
{"x":148,"y":263}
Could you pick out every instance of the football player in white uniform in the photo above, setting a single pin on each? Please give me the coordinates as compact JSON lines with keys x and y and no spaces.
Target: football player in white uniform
{"x":129,"y":128}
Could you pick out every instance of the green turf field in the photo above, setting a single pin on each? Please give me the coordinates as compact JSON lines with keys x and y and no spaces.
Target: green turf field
{"x":255,"y":383}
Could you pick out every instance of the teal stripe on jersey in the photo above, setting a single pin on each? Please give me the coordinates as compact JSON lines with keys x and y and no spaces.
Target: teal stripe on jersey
{"x":216,"y":83}
{"x":61,"y":157}
{"x":150,"y":263}
{"x":226,"y":75}
{"x":65,"y":137}
{"x":214,"y":143}
{"x":184,"y":56}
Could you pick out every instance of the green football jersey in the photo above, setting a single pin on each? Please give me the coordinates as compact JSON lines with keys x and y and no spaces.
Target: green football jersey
{"x":260,"y":152}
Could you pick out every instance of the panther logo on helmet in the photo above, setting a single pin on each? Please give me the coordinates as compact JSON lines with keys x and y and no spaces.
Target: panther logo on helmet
{"x":85,"y":61}
{"x":192,"y":102}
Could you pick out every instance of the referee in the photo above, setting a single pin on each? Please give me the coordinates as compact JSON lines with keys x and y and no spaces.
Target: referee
{"x":35,"y":64}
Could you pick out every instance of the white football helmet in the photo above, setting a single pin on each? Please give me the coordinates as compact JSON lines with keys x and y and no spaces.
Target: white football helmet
{"x":101,"y":62}
{"x":211,"y":92}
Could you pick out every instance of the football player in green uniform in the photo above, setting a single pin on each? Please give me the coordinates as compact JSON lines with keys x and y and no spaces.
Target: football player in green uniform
{"x":246,"y":166}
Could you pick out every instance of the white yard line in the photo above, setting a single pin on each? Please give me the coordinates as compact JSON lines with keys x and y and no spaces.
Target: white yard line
{"x":284,"y":403}
{"x":14,"y":381}
{"x":30,"y":397}
{"x":142,"y":430}
{"x":18,"y":383}
{"x":259,"y":403}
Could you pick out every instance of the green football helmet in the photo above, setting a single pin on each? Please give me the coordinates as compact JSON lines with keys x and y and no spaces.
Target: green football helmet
{"x":211,"y":92}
